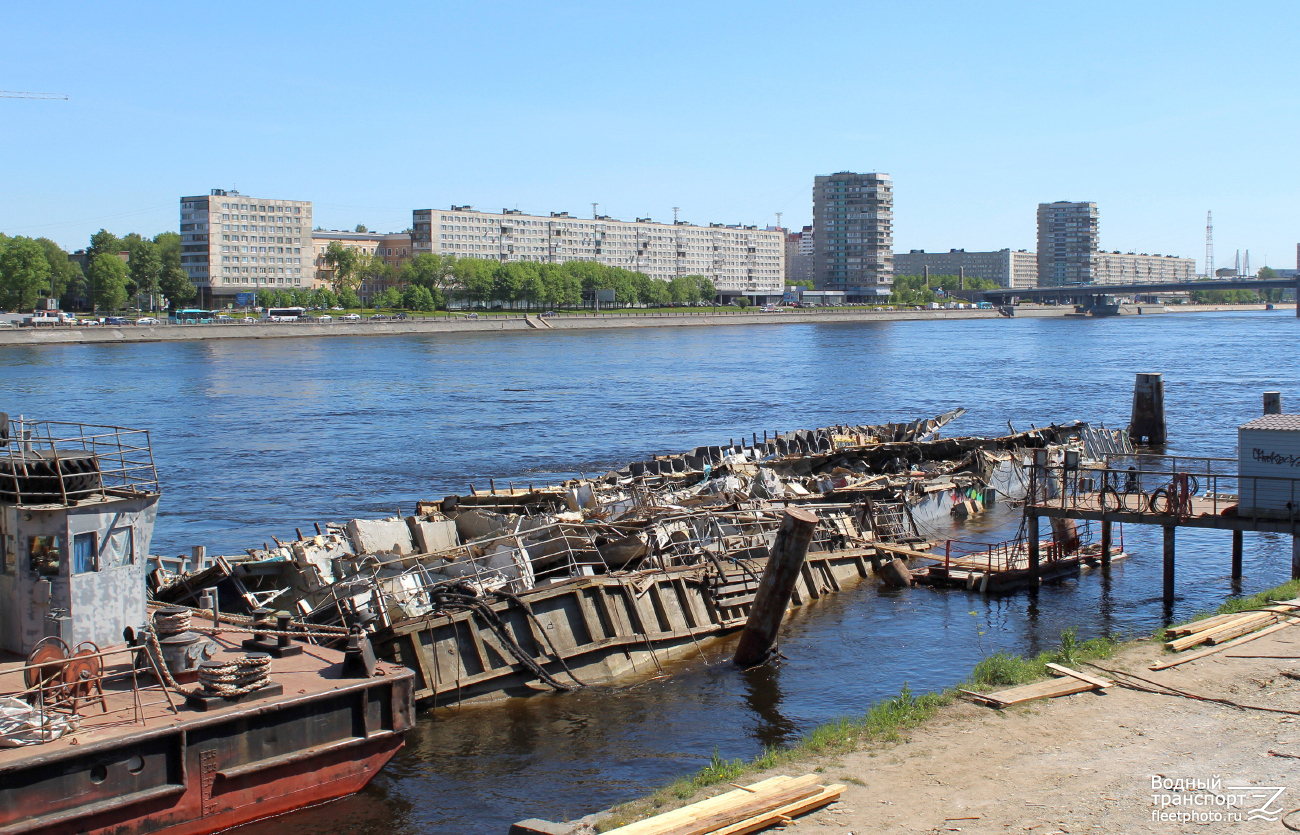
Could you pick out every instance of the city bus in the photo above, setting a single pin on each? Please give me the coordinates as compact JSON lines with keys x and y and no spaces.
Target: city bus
{"x":283,"y":314}
{"x":191,"y":317}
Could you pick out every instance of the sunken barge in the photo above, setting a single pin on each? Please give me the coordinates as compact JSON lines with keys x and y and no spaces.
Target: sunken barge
{"x":509,"y":591}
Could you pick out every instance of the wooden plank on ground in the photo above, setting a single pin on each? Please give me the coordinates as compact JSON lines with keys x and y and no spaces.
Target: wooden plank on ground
{"x":828,"y":794}
{"x":1042,"y":690}
{"x":1066,"y":671}
{"x":1222,"y":636}
{"x":1192,"y":656}
{"x":657,"y":824}
{"x":1180,"y":644}
{"x":1200,"y":625}
{"x":759,"y":806}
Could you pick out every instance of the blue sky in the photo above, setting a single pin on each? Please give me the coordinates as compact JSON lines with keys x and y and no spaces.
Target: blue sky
{"x":1157,"y":111}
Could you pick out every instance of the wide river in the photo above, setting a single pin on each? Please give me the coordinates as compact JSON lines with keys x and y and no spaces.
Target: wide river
{"x":254,"y":438}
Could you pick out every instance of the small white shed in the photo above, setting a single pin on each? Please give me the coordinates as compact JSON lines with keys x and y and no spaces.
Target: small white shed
{"x":1268,"y":462}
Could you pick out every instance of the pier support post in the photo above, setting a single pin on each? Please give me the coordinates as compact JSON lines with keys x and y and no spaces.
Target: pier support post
{"x":1272,"y":402}
{"x":1236,"y":554}
{"x":1169,"y":565}
{"x":774,"y":590}
{"x":1147,"y":421}
{"x":1295,"y":557}
{"x":1033,"y":552}
{"x":1105,"y":542}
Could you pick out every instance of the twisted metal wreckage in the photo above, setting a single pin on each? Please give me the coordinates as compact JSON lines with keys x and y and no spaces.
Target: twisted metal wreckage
{"x":508,"y":591}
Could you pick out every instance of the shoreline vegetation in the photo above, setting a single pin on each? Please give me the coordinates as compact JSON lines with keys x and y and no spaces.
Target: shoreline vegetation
{"x":886,"y":722}
{"x":503,"y":322}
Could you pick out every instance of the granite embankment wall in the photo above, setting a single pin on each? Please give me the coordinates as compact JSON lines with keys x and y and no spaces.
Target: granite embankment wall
{"x":180,"y":333}
{"x":183,"y":333}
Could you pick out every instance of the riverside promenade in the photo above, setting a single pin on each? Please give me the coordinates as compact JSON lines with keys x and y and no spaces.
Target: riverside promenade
{"x":457,"y":323}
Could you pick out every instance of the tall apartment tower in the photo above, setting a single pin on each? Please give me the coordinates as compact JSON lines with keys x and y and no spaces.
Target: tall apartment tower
{"x":1067,"y":243}
{"x":854,"y":245}
{"x":232,"y":243}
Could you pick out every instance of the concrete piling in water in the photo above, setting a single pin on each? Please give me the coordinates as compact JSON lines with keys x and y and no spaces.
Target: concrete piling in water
{"x":1147,"y":423}
{"x":1272,"y":402}
{"x":1295,"y":558}
{"x":1236,"y":554}
{"x":1105,"y":542}
{"x":1033,"y":552}
{"x":774,"y":590}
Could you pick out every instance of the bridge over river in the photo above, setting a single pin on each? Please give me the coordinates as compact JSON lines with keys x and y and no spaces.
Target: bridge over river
{"x":1090,"y":295}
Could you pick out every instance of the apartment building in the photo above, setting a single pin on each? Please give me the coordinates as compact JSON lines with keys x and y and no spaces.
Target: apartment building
{"x":233,"y":243}
{"x":740,"y":260}
{"x":393,"y":248}
{"x":853,"y":248}
{"x":1132,"y":268}
{"x":799,"y":255}
{"x":1009,"y":268}
{"x":1067,"y":243}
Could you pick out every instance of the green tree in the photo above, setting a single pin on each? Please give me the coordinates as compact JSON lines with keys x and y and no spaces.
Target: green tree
{"x":805,"y":283}
{"x":388,"y":299}
{"x":475,"y":277}
{"x":62,"y":270}
{"x":418,"y":297}
{"x":108,"y":275}
{"x":707,"y":291}
{"x":265,"y":298}
{"x":361,"y":227}
{"x":103,"y":242}
{"x":741,"y":301}
{"x":176,"y":286}
{"x":348,"y":298}
{"x":146,"y":269}
{"x":344,"y":261}
{"x":24,"y":274}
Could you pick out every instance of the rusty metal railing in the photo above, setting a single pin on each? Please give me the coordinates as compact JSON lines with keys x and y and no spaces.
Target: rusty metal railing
{"x":55,"y":462}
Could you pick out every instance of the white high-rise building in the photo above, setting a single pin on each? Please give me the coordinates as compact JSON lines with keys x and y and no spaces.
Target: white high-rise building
{"x":232,"y":243}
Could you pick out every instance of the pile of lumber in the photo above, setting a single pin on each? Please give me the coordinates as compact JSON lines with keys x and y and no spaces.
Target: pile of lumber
{"x":1069,"y":683}
{"x":1224,"y":631}
{"x":776,"y":800}
{"x":1223,"y":628}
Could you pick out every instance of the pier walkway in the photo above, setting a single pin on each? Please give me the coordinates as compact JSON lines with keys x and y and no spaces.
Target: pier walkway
{"x":1169,"y":491}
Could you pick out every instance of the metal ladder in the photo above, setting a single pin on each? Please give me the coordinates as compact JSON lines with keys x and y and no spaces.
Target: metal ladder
{"x":891,"y":522}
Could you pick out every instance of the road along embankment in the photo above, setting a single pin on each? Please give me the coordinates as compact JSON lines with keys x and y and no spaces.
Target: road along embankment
{"x":187,"y":333}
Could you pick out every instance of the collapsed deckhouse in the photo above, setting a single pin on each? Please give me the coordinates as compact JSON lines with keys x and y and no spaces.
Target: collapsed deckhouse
{"x":506,"y":591}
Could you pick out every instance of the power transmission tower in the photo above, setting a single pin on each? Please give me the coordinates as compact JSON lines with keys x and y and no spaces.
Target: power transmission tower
{"x":1209,"y":245}
{"x":18,"y":94}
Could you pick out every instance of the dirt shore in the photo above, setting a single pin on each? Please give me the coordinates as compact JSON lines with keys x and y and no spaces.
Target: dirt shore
{"x":1088,"y":763}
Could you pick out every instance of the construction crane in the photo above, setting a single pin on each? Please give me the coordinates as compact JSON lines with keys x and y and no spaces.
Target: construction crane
{"x":17,"y":94}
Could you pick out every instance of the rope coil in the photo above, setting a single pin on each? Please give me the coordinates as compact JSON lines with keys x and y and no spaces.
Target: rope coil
{"x":171,"y":621}
{"x":235,"y":678}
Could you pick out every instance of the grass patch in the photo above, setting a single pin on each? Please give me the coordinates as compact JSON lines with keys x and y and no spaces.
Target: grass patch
{"x":884,"y":722}
{"x":1003,"y":669}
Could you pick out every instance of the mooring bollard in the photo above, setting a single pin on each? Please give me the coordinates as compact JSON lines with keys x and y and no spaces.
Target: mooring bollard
{"x":1147,"y":422}
{"x":774,"y":590}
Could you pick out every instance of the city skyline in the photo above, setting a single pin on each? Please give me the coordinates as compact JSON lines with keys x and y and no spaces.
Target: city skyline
{"x":641,"y":125}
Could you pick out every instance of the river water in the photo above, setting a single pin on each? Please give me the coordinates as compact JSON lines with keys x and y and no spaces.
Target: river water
{"x":254,"y":438}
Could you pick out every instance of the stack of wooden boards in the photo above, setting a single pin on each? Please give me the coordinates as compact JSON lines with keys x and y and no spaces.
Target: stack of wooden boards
{"x":1223,"y":631}
{"x":776,"y":800}
{"x":1069,"y":683}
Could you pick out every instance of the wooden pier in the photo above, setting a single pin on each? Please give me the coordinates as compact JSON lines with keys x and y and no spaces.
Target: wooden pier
{"x":1167,"y":491}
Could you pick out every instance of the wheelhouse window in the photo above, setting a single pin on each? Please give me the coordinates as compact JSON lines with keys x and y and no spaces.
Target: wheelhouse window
{"x":45,"y":554}
{"x":84,"y":556}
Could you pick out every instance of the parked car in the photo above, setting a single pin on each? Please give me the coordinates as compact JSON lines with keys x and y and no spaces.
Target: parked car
{"x":350,"y":317}
{"x":548,"y":314}
{"x":324,"y":317}
{"x":147,"y":320}
{"x":400,"y":316}
{"x":336,"y":308}
{"x":116,"y":320}
{"x":380,"y":317}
